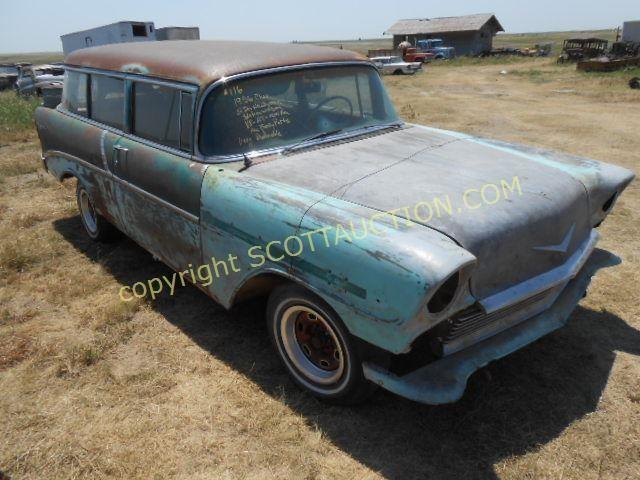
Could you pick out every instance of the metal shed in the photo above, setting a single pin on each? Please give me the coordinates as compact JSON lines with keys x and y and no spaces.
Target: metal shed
{"x":469,"y":34}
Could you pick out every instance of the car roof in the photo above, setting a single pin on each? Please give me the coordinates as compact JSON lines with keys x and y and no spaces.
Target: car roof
{"x":202,"y":62}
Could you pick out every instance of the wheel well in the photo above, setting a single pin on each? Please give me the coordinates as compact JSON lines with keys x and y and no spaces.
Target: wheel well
{"x":258,"y":286}
{"x":66,"y":175}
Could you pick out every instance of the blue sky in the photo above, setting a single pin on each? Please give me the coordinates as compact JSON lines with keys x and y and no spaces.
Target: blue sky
{"x":31,"y":26}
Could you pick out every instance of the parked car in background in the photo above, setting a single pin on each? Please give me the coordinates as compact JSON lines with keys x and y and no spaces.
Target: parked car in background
{"x":437,"y":47}
{"x":286,"y":170}
{"x":32,"y":80}
{"x":396,"y":66}
{"x":8,"y":75}
{"x":408,"y":54}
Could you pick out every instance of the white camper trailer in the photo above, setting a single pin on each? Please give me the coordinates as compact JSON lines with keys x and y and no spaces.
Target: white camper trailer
{"x":119,"y":32}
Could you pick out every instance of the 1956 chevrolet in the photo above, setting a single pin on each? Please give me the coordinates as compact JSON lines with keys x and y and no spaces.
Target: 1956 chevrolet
{"x":201,"y":150}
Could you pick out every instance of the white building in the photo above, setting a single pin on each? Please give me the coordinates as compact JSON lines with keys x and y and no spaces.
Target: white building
{"x":120,"y":32}
{"x":125,"y":31}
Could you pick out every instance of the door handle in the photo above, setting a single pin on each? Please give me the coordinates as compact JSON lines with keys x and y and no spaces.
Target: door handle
{"x":119,"y":150}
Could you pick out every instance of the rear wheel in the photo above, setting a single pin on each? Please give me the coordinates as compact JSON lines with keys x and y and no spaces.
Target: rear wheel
{"x":315,"y":347}
{"x":96,"y":226}
{"x":398,"y":72}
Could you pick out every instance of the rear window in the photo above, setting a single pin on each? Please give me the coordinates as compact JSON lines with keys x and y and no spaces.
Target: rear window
{"x":107,"y":100}
{"x":75,"y":93}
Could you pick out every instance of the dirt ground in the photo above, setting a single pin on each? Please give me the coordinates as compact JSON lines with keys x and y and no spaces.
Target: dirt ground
{"x":92,"y":387}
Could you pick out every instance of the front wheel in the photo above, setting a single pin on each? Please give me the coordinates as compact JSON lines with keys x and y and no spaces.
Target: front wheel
{"x":315,"y":347}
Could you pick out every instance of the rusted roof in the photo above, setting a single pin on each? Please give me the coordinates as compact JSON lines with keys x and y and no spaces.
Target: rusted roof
{"x":202,"y":62}
{"x":442,"y":25}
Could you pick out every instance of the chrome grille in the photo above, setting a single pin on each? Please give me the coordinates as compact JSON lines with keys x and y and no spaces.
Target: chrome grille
{"x":473,"y":321}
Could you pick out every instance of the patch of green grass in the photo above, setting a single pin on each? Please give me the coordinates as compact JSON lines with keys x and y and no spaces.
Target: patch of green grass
{"x":626,"y":73}
{"x":471,"y":61}
{"x":34,"y":58}
{"x":16,"y":114}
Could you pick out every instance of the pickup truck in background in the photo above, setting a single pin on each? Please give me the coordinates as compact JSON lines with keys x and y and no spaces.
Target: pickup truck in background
{"x":435,"y":46}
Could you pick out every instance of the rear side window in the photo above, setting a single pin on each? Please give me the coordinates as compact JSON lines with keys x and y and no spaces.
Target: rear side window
{"x":159,"y":112}
{"x":186,"y":121}
{"x":75,"y":93}
{"x":107,"y":100}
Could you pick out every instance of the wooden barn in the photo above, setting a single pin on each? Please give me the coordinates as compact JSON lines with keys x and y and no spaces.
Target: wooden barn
{"x":469,"y":34}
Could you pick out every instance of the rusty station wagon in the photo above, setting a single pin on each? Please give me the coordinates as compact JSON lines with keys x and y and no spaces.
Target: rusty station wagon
{"x":252,"y":157}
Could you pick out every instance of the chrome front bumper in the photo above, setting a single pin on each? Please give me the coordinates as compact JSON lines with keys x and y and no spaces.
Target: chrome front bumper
{"x":445,"y":380}
{"x":492,"y":315}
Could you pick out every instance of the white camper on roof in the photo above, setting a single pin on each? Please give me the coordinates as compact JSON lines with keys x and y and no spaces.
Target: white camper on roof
{"x":120,"y":32}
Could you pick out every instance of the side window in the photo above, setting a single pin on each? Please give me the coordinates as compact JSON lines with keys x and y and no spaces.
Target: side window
{"x":107,"y":100}
{"x":156,"y":113}
{"x":75,"y":92}
{"x":186,"y":121}
{"x":163,"y":115}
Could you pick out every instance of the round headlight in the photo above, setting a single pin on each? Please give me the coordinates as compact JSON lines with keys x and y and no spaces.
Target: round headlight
{"x":445,"y":294}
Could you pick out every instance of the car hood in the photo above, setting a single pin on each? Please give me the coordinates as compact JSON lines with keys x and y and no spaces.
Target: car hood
{"x":520,"y":212}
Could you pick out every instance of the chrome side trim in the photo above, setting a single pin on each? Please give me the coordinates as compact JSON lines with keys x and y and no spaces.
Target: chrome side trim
{"x":557,"y":276}
{"x":183,"y":213}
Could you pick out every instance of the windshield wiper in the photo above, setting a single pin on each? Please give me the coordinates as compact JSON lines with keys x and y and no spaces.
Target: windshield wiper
{"x":383,"y":126}
{"x":317,"y":136}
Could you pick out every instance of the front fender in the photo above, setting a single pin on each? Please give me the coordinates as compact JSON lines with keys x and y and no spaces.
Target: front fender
{"x":377,"y":274}
{"x":245,"y":218}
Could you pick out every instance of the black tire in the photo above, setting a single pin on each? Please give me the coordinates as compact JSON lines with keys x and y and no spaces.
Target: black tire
{"x":96,"y":226}
{"x":345,"y":384}
{"x":398,"y":72}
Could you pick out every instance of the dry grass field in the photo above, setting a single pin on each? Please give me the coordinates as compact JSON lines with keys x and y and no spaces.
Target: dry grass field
{"x":92,"y":387}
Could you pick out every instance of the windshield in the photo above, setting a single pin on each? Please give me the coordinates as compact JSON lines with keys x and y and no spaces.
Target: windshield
{"x":8,"y":70}
{"x":281,"y":109}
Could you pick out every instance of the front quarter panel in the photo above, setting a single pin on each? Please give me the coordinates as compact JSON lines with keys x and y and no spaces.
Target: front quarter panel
{"x":378,"y":273}
{"x":240,"y":216}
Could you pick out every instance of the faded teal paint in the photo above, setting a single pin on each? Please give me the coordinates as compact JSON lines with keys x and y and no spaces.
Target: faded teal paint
{"x":277,"y":252}
{"x":445,"y":380}
{"x":240,"y":212}
{"x":416,"y":258}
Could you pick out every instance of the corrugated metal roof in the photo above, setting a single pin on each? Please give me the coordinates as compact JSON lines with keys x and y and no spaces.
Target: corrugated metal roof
{"x":465,"y":23}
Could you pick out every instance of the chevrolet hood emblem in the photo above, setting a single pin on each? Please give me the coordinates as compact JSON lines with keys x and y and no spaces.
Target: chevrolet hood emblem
{"x":561,"y":247}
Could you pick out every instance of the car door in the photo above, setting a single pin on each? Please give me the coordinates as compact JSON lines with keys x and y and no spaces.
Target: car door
{"x":74,"y":144}
{"x":160,"y":183}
